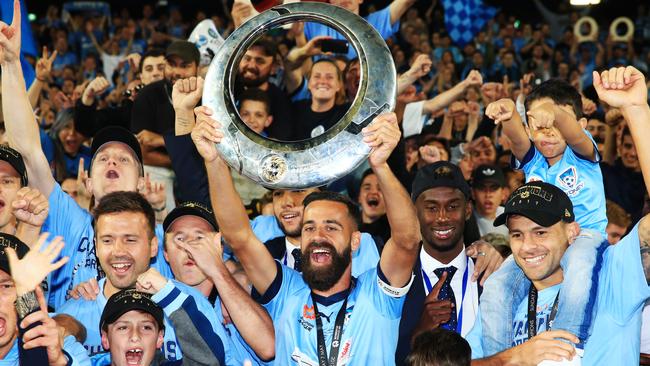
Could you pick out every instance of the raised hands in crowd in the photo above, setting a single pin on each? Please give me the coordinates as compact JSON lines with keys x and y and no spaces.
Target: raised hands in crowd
{"x":514,"y":145}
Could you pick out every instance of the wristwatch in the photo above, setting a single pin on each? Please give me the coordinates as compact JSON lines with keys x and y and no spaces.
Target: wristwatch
{"x":26,"y":304}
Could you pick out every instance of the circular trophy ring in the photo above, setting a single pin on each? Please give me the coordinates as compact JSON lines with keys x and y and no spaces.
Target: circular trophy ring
{"x":311,"y":162}
{"x":628,"y":25}
{"x":593,"y":33}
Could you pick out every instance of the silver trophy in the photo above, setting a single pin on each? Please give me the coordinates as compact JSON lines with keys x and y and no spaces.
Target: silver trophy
{"x":319,"y":160}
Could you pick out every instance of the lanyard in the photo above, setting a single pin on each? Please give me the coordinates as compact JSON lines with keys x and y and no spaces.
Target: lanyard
{"x":459,"y":312}
{"x":532,"y":312}
{"x":336,"y":337}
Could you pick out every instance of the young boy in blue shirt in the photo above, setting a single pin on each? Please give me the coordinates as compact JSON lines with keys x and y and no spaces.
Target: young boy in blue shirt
{"x":555,"y":148}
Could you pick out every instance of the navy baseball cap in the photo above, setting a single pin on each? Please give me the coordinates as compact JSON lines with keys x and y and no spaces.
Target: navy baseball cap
{"x":439,"y":174}
{"x":541,"y":202}
{"x":116,"y":134}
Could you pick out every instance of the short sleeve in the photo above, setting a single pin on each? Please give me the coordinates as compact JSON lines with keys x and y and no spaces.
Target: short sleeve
{"x":287,"y":283}
{"x":532,"y":158}
{"x":67,"y":219}
{"x":624,"y":288}
{"x":381,"y":21}
{"x":387,"y":300}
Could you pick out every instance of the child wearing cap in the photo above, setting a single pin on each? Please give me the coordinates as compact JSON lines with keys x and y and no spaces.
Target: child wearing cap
{"x":132,"y":328}
{"x":556,"y":148}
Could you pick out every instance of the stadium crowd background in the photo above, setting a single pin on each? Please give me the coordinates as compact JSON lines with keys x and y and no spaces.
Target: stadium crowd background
{"x":100,"y":70}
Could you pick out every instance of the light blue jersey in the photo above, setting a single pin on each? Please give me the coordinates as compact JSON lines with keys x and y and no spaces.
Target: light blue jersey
{"x":73,"y":349}
{"x":380,"y":20}
{"x":74,"y":224}
{"x":89,"y":314}
{"x":578,"y":177}
{"x":622,"y":292}
{"x":366,"y":257}
{"x":371,"y":322}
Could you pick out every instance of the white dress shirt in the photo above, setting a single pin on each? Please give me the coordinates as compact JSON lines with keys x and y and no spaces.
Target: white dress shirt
{"x":288,"y":259}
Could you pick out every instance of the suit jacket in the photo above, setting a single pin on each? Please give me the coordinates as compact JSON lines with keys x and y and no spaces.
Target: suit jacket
{"x":411,"y":312}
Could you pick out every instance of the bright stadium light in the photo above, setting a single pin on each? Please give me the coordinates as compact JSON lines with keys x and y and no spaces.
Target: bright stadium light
{"x":584,"y":2}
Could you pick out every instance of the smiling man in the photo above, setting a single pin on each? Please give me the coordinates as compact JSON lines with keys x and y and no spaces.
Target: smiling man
{"x":125,"y":242}
{"x":541,"y":222}
{"x":445,"y":291}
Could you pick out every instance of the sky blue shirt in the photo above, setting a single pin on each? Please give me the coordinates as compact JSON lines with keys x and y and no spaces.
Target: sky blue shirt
{"x":89,"y":313}
{"x":74,"y":224}
{"x":371,"y":322}
{"x":579,"y":177}
{"x":622,"y":292}
{"x":380,"y":20}
{"x":366,"y":257}
{"x":70,"y":345}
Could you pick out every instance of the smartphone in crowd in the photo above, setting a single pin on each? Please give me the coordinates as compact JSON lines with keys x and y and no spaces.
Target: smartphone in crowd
{"x":334,"y":45}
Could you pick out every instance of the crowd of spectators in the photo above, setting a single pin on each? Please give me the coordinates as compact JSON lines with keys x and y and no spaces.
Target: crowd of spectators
{"x":130,"y":75}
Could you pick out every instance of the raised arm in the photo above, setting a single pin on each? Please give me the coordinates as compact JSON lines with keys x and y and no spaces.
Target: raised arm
{"x":400,"y":252}
{"x":625,"y":89}
{"x":252,"y":321}
{"x":22,"y":132}
{"x":228,"y":207}
{"x":398,"y":8}
{"x":421,"y":66}
{"x":444,"y":99}
{"x":186,"y":94}
{"x":298,"y":60}
{"x":43,"y":70}
{"x":503,"y":111}
{"x":549,"y":114}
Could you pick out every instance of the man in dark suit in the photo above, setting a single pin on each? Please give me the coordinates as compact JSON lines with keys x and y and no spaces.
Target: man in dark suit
{"x":447,"y":283}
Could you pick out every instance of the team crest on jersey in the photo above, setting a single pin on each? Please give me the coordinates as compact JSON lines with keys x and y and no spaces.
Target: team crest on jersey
{"x":308,"y":312}
{"x":569,"y":181}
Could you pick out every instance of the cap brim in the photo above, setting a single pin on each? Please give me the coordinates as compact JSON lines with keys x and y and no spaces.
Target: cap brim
{"x":4,"y":266}
{"x":488,"y":180}
{"x":113,"y":317}
{"x":540,"y":218}
{"x":187,"y":211}
{"x":116,"y":134}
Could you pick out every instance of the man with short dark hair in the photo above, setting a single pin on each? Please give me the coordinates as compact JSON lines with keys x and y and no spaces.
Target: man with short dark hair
{"x":446,"y":286}
{"x":254,"y":71}
{"x":125,"y":243}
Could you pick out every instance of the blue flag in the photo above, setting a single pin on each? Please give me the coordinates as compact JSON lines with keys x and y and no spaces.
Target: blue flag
{"x":465,"y":18}
{"x":28,"y":43}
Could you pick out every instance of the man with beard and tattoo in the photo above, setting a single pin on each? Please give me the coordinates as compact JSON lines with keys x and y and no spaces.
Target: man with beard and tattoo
{"x":281,"y":232}
{"x":255,"y":69}
{"x":445,"y":291}
{"x":325,"y":316}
